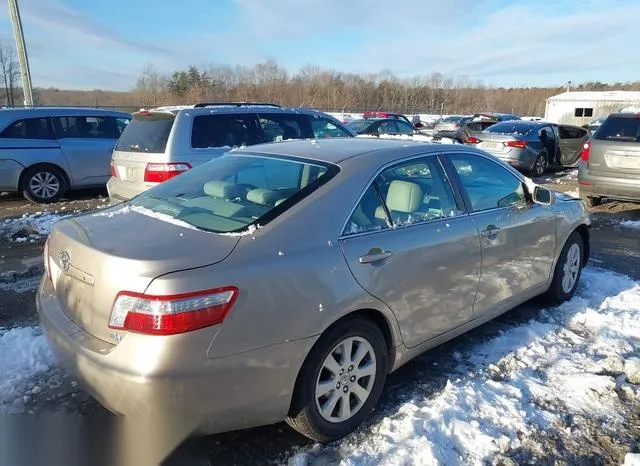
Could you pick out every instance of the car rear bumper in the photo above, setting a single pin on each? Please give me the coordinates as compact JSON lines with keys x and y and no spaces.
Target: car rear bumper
{"x":213,"y":395}
{"x":517,"y":159}
{"x":591,"y":185}
{"x":119,"y":191}
{"x":10,"y":171}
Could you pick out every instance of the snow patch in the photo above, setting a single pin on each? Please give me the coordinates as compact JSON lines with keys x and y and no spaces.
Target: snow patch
{"x":516,"y":384}
{"x":24,"y":355}
{"x":631,"y":224}
{"x":29,"y":227}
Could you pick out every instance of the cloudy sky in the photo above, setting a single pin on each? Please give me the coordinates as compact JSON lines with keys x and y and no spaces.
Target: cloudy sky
{"x":106,"y":43}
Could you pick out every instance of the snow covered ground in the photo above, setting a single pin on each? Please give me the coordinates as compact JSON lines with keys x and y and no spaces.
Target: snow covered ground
{"x":570,"y":365}
{"x":631,"y":224}
{"x":30,"y":227}
{"x":24,"y":356}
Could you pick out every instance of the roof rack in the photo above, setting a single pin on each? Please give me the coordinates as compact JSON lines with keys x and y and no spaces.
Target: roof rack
{"x":235,"y":104}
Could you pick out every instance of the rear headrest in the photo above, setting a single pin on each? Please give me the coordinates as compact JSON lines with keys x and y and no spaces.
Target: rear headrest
{"x":404,"y":196}
{"x":222,"y":189}
{"x":263,"y":196}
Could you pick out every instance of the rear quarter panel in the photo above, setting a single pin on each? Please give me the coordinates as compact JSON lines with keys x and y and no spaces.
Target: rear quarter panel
{"x":571,"y":214}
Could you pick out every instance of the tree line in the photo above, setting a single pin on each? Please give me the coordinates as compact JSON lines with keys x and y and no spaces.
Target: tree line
{"x":312,"y":86}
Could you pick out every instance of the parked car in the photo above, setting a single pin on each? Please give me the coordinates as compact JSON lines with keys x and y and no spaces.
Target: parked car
{"x":45,"y":151}
{"x":223,"y":312}
{"x":381,"y":126}
{"x":466,"y":129}
{"x":595,"y":124}
{"x":164,"y":142}
{"x":534,"y":146}
{"x":389,"y":115}
{"x":610,"y":161}
{"x":448,"y":127}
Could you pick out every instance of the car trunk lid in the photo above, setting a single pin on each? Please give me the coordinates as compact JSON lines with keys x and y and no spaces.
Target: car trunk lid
{"x":93,"y":257}
{"x":496,"y":143}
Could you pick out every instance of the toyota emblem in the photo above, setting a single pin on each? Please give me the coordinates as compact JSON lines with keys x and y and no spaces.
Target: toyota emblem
{"x":64,"y":260}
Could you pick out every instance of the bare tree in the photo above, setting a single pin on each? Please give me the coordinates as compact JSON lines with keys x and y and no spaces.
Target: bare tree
{"x":10,"y":70}
{"x":150,"y":85}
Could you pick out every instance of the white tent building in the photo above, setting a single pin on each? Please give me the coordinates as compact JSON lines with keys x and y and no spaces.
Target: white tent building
{"x":579,"y":108}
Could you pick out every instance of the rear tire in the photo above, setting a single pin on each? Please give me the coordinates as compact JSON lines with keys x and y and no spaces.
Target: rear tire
{"x":336,"y":391}
{"x":567,"y":272}
{"x":592,"y":201}
{"x":540,"y":165}
{"x":43,"y":184}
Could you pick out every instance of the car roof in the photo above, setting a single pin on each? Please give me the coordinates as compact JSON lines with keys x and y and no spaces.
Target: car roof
{"x":20,"y":112}
{"x":235,"y":108}
{"x":336,"y":150}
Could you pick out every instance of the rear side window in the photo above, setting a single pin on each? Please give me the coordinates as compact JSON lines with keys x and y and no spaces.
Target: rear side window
{"x":282,"y":127}
{"x":569,"y":132}
{"x":146,"y":133}
{"x":230,"y":130}
{"x":91,"y":127}
{"x":625,"y":129}
{"x":29,"y":128}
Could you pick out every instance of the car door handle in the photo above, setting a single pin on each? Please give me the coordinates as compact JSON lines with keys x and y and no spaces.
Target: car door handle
{"x":375,"y":255}
{"x":491,"y":231}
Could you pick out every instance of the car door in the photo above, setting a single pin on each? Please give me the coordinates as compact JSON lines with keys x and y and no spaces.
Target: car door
{"x":570,"y":141}
{"x":409,"y":244}
{"x":405,"y":128}
{"x":517,"y":236}
{"x":87,"y":143}
{"x":388,"y":127}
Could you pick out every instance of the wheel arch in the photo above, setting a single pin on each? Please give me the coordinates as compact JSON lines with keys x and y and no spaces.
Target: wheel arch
{"x":373,"y":315}
{"x":65,"y":175}
{"x":583,"y":231}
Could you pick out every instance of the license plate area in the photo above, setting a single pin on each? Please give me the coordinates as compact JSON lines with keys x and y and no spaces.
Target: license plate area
{"x":623,"y":161}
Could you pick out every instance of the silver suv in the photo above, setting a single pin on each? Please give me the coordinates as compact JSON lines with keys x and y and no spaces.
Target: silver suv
{"x":163,"y":142}
{"x":610,"y":165}
{"x":44,"y":151}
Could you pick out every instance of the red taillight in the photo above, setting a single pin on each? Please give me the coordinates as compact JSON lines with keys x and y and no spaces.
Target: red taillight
{"x":159,"y":172}
{"x":472,"y":140}
{"x":113,"y":170}
{"x":586,"y":150}
{"x":517,"y":144}
{"x":172,"y":314}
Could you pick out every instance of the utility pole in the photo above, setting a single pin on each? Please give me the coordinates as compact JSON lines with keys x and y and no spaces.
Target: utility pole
{"x":22,"y":52}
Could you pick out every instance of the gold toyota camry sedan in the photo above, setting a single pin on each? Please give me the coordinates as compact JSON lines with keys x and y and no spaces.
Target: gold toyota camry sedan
{"x":285,"y":281}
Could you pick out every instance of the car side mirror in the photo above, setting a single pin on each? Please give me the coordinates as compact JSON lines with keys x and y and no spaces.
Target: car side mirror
{"x":542,"y":195}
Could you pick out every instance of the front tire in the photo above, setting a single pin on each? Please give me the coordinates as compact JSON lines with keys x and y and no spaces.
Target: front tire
{"x":43,"y":184}
{"x":340,"y":382}
{"x":567,"y":272}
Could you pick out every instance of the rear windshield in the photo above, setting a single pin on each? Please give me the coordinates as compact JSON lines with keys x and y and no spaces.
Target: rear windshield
{"x":146,"y":133}
{"x":359,"y":125}
{"x":619,"y":129}
{"x":234,"y":191}
{"x":509,"y":127}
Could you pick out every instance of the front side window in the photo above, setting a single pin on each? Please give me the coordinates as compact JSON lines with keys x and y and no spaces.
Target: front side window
{"x":409,"y":193}
{"x":487,"y":184}
{"x":29,"y":128}
{"x":231,"y":192}
{"x":324,"y":128}
{"x":405,"y":128}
